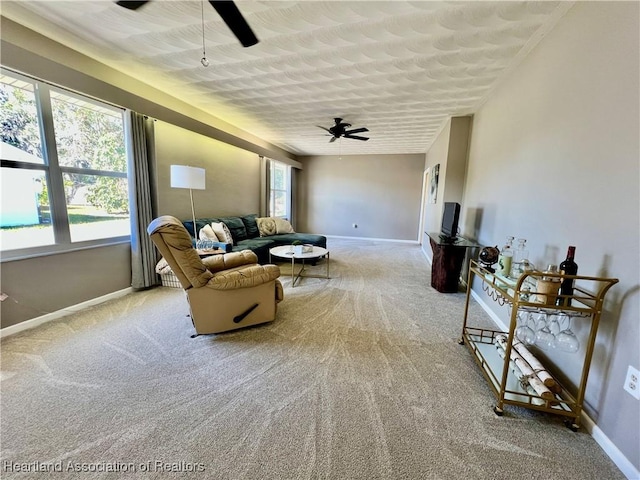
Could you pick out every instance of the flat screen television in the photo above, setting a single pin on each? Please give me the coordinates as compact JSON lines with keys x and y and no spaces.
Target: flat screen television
{"x":450,"y":217}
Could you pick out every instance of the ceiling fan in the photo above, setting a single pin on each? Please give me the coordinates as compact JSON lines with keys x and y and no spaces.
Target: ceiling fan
{"x":340,"y":130}
{"x":229,"y":13}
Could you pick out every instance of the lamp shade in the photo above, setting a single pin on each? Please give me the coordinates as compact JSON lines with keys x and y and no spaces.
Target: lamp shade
{"x":183,"y":176}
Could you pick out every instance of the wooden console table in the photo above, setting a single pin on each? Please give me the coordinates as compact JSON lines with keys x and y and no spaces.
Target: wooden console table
{"x":448,"y":257}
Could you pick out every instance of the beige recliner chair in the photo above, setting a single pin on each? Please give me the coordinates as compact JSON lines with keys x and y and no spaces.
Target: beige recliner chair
{"x":224,"y":292}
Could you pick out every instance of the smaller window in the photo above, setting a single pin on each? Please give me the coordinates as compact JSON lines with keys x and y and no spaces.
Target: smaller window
{"x":280,"y":190}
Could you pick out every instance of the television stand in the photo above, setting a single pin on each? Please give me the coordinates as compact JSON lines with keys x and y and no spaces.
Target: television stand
{"x":447,"y":240}
{"x":448,"y":257}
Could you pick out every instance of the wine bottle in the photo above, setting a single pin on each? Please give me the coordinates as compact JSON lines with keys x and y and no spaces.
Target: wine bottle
{"x":568,"y":267}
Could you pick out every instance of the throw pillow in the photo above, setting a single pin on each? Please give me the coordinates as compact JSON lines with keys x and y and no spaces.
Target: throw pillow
{"x":236,"y":227}
{"x":266,"y":226}
{"x":222,"y":232}
{"x":251,"y":225}
{"x":283,"y":226}
{"x":207,"y":233}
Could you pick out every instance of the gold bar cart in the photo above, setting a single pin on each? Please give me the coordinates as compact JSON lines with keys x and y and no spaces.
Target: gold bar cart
{"x":585,"y":304}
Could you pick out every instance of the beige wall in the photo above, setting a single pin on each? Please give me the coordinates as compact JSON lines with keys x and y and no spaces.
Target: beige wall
{"x":379,"y":193}
{"x":554,"y":158}
{"x":456,"y":167}
{"x":437,"y":155}
{"x":42,"y":285}
{"x":232,"y":175}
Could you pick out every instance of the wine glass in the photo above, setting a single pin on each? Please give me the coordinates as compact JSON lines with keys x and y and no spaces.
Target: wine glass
{"x":554,"y":325}
{"x":545,"y":339}
{"x":537,"y":322}
{"x":524,"y":332}
{"x":566,"y":339}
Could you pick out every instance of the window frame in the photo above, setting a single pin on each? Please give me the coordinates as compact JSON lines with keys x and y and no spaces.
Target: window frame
{"x":288,"y":192}
{"x":54,"y":174}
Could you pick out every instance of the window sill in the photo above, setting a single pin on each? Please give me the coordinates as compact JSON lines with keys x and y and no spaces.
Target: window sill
{"x":47,"y":250}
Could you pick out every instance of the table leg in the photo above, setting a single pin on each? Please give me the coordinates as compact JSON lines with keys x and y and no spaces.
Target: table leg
{"x":295,"y":277}
{"x":327,"y":264}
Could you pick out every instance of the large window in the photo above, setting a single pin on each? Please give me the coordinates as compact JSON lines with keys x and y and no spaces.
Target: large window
{"x":64,"y":169}
{"x":280,"y":190}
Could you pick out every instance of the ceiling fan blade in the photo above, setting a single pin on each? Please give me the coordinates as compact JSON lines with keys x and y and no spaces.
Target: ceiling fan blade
{"x":333,"y":139}
{"x":325,"y":129}
{"x":132,"y":5}
{"x":356,"y":130}
{"x":356,"y":137}
{"x":235,"y":21}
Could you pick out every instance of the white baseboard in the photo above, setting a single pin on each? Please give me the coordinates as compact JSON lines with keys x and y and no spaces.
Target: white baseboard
{"x":34,"y":322}
{"x":613,"y":452}
{"x":426,"y":255}
{"x":416,"y":242}
{"x":627,"y":468}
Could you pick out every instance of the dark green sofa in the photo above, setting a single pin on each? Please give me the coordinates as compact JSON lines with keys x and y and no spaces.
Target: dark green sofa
{"x":246,"y":236}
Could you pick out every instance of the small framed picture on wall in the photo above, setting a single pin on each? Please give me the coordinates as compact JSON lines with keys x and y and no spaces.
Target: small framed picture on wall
{"x":433,"y":183}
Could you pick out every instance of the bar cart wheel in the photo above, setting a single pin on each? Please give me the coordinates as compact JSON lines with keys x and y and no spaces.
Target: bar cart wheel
{"x":571,"y":425}
{"x":498,"y":411}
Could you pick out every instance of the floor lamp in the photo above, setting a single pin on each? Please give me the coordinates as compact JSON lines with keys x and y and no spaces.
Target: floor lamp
{"x":192,"y":178}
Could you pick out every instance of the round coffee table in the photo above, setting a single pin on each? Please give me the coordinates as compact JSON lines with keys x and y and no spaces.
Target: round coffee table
{"x":287,"y":252}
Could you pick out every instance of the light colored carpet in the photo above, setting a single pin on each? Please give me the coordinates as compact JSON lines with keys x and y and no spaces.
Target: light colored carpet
{"x":360,"y":377}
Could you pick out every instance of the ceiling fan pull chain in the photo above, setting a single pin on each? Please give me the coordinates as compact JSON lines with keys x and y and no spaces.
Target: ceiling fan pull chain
{"x":203,"y":61}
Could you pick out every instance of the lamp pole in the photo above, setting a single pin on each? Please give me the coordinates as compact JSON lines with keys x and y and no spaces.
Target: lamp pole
{"x":193,"y":214}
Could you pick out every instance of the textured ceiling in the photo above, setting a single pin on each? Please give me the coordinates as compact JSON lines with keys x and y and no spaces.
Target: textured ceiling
{"x":399,"y":68}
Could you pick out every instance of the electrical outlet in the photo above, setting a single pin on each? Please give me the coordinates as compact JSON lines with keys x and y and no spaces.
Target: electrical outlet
{"x":632,"y":382}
